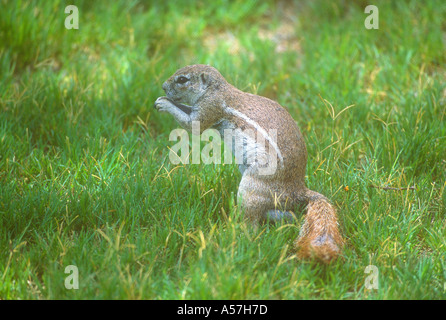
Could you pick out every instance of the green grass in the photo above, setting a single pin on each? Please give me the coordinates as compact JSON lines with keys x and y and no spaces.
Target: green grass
{"x":85,"y":177}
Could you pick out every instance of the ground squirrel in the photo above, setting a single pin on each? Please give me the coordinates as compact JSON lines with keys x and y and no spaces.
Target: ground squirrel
{"x":200,"y":93}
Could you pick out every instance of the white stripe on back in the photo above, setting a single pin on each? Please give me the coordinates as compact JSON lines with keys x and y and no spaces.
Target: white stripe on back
{"x":257,"y":127}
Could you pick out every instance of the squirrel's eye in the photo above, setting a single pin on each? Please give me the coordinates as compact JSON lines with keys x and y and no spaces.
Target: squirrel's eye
{"x":182,"y":79}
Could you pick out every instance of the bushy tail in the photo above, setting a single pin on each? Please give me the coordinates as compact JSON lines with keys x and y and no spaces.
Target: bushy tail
{"x":319,"y":237}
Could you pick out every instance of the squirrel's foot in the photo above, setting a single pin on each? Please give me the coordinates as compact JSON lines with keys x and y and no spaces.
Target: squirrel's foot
{"x":163,"y":104}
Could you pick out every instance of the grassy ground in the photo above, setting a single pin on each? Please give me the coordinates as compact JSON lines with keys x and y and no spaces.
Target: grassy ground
{"x":85,"y":177}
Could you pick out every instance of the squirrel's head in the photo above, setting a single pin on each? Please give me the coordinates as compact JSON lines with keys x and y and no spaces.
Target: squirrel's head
{"x":188,"y":84}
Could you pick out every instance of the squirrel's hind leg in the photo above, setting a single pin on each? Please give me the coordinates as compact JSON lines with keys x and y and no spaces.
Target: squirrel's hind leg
{"x":275,"y":216}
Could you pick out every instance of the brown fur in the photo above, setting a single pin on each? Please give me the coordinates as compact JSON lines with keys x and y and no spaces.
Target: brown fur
{"x":214,"y":101}
{"x":319,"y":236}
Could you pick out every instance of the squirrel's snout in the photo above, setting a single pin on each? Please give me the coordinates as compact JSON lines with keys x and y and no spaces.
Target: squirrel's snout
{"x":164,"y":86}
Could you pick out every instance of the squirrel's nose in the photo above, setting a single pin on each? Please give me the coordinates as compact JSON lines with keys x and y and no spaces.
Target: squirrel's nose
{"x":165,"y":86}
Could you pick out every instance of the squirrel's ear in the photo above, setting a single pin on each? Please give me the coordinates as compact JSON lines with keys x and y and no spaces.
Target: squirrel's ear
{"x":205,"y":79}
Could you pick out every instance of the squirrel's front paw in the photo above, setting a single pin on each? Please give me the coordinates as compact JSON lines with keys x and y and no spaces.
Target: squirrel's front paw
{"x":162,"y":104}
